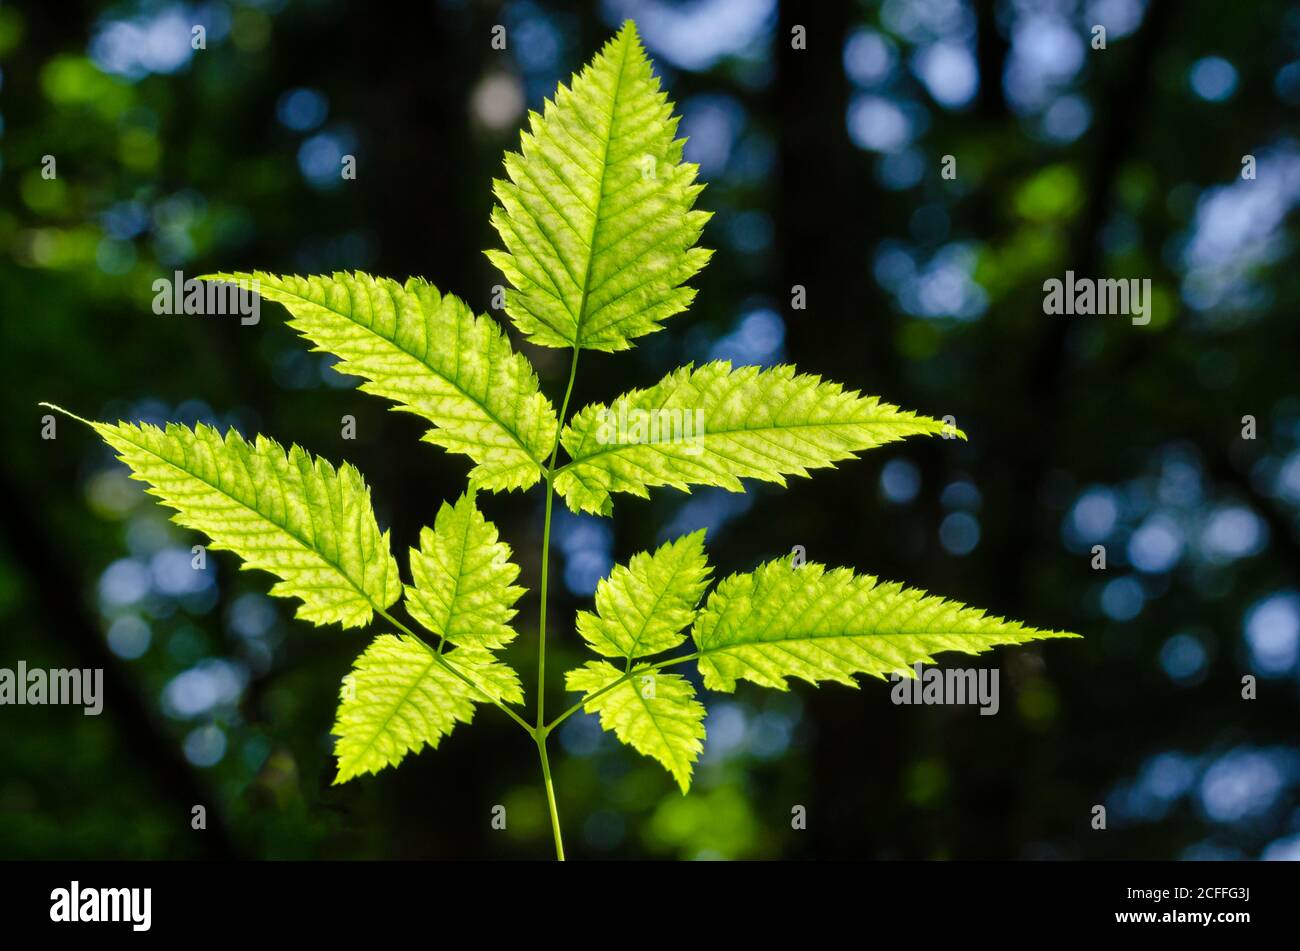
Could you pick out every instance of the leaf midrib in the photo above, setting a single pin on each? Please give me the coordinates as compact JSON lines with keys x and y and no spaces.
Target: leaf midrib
{"x":405,"y":698}
{"x":758,"y":430}
{"x":631,"y":654}
{"x":680,"y":762}
{"x":720,"y":648}
{"x":600,"y":198}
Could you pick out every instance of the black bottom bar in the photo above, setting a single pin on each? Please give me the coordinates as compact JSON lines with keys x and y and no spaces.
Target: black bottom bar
{"x":334,"y":900}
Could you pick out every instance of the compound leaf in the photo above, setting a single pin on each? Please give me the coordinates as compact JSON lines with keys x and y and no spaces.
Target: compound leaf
{"x":463,"y":576}
{"x":402,"y":695}
{"x":715,"y":425}
{"x":643,"y":607}
{"x":780,"y":621}
{"x":595,"y":212}
{"x":287,"y":513}
{"x":431,"y":355}
{"x":653,"y":712}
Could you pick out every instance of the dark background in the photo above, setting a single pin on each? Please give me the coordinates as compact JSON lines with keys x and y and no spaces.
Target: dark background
{"x":823,"y":169}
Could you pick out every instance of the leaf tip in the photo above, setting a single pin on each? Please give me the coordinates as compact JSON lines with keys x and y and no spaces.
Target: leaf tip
{"x":66,"y":412}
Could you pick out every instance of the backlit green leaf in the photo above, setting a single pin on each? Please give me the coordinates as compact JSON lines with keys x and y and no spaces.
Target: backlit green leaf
{"x":432,"y":356}
{"x":463,"y":578}
{"x":653,"y":712}
{"x":595,"y":212}
{"x":401,"y":695}
{"x":715,"y":425}
{"x":287,"y":513}
{"x":643,"y":607}
{"x":780,"y":621}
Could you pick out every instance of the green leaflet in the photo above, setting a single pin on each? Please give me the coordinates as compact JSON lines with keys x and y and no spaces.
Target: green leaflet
{"x":653,"y":712}
{"x":779,"y":621}
{"x":463,"y":577}
{"x":431,"y":355}
{"x":716,"y":425}
{"x":643,"y":607}
{"x":596,"y":213}
{"x":289,"y":514}
{"x":402,"y":695}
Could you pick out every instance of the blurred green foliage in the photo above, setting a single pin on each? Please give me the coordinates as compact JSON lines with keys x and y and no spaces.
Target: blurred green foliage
{"x":823,"y":170}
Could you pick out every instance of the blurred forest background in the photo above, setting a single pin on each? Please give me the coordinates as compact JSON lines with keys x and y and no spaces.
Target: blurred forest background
{"x":824,"y":168}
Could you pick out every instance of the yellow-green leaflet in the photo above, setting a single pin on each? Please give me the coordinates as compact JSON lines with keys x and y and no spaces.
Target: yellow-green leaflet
{"x":643,"y":607}
{"x":463,"y":574}
{"x":431,"y":355}
{"x":653,"y":712}
{"x":714,"y":425}
{"x":595,"y":212}
{"x":287,"y":513}
{"x":401,"y":695}
{"x":780,"y":621}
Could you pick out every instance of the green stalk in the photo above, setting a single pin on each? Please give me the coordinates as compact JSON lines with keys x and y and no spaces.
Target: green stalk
{"x":541,"y":732}
{"x":550,"y":797}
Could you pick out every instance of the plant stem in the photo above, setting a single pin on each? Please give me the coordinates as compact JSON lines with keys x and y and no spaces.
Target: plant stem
{"x":539,"y":734}
{"x":550,"y":797}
